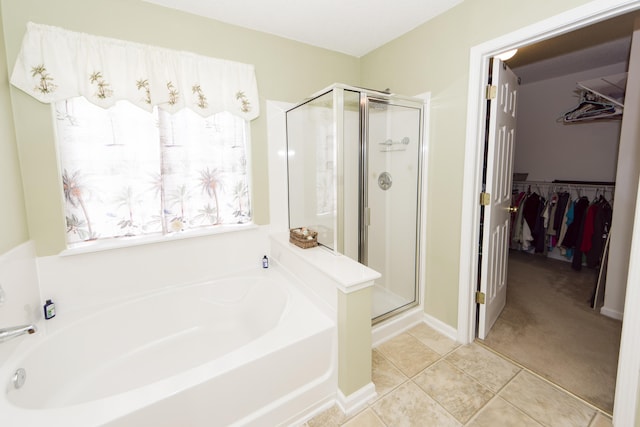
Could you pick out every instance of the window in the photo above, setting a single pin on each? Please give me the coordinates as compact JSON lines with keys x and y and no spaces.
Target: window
{"x":151,"y":141}
{"x":130,"y":172}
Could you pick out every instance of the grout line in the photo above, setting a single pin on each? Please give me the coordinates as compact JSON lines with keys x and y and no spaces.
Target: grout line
{"x":441,"y":359}
{"x":496,"y":394}
{"x":507,"y":403}
{"x":432,"y":349}
{"x":380,"y":396}
{"x":559,"y":387}
{"x":410,"y":379}
{"x":375,"y":414}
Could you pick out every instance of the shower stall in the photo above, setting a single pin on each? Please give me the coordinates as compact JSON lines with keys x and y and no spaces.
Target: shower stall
{"x":354,"y":168}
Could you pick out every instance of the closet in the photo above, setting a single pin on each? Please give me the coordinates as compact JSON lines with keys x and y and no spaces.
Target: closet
{"x":565,"y":161}
{"x":565,"y":186}
{"x":566,"y":220}
{"x":577,"y":150}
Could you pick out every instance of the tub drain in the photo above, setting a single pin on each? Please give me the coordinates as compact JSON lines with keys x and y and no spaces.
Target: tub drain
{"x":19,"y":378}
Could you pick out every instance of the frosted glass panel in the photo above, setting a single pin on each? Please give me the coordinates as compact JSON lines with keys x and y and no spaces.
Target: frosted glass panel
{"x":312,"y":168}
{"x":392,"y":199}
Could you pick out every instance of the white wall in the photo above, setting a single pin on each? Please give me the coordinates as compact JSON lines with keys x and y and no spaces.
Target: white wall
{"x":83,"y":283}
{"x":277,"y":140}
{"x":626,"y":189}
{"x":547,"y":149}
{"x":22,"y":303}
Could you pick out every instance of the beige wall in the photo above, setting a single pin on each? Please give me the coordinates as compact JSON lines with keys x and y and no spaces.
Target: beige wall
{"x":285,"y":70}
{"x":13,"y":226}
{"x":432,"y":58}
{"x":354,"y":340}
{"x":435,"y":58}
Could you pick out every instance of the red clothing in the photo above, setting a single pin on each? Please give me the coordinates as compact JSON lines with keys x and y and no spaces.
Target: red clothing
{"x":587,"y":234}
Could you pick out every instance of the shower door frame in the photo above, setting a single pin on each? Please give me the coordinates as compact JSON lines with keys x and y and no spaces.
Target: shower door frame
{"x":393,"y":100}
{"x":365,"y":95}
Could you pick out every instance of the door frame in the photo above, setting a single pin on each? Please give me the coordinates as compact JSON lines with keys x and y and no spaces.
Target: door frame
{"x":590,"y":13}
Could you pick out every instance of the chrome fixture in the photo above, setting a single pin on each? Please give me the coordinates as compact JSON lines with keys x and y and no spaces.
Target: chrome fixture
{"x":19,"y":378}
{"x":385,"y":181}
{"x":7,"y":334}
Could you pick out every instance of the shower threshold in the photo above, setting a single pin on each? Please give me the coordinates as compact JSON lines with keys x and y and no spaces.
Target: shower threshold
{"x":386,"y":301}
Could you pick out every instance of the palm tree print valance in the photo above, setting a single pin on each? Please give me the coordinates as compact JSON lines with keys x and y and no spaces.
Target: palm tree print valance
{"x":56,"y":64}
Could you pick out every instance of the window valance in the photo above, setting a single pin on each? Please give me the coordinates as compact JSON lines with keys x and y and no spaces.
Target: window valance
{"x":56,"y":64}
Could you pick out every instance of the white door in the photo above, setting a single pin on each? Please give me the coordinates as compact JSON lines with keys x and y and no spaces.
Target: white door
{"x":499,"y":171}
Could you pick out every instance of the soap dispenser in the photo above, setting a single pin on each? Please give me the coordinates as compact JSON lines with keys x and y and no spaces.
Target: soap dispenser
{"x":49,"y":310}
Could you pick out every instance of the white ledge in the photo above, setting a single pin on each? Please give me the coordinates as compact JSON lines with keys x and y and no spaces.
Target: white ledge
{"x":349,"y":275}
{"x":126,"y":242}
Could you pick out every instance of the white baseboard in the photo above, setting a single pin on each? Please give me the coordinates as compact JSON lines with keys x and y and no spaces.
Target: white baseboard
{"x":614,"y":314}
{"x":440,"y":326}
{"x":310,"y":413}
{"x":396,"y":325}
{"x":357,"y":400}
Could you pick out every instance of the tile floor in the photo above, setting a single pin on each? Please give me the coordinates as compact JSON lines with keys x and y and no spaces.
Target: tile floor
{"x":425,"y":379}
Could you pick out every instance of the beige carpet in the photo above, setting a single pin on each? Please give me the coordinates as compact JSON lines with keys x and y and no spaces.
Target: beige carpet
{"x":548,"y":327}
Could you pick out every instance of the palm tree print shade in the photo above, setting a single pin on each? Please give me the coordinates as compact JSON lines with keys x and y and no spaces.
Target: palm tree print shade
{"x":129,"y":172}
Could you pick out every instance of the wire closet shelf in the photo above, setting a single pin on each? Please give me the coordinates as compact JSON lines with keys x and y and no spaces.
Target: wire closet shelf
{"x":591,"y":189}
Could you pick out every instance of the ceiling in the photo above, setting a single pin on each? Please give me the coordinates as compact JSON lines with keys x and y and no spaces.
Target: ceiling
{"x":354,"y":27}
{"x":597,"y":45}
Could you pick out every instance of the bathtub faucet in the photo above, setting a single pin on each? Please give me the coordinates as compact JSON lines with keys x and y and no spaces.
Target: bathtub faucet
{"x":7,"y":334}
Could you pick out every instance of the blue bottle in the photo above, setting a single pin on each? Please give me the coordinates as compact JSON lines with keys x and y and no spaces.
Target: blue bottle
{"x":49,"y":310}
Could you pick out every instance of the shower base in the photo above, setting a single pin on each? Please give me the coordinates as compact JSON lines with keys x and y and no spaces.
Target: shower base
{"x":385,"y":301}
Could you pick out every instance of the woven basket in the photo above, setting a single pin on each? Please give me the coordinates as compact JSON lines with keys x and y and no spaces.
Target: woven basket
{"x":302,"y":240}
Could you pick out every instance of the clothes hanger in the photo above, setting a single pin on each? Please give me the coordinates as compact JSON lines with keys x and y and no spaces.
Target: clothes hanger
{"x":590,"y":107}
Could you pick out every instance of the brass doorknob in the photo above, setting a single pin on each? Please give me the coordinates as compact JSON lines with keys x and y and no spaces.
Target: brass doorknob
{"x":513,"y":209}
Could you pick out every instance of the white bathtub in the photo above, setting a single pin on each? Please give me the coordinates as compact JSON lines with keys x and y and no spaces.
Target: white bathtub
{"x":243,"y":350}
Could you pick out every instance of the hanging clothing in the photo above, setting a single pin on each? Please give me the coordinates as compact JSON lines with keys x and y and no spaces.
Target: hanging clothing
{"x":516,"y":221}
{"x":539,"y":235}
{"x":601,"y":227}
{"x":530,"y":210}
{"x":573,"y":230}
{"x":587,"y":235}
{"x":577,"y":228}
{"x":564,"y":200}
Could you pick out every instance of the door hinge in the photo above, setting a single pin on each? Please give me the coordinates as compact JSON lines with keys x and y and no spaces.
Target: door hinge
{"x":491,"y":92}
{"x":479,"y":297}
{"x":485,"y":199}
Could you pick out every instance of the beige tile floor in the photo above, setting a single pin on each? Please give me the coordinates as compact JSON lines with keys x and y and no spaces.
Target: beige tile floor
{"x":425,"y":379}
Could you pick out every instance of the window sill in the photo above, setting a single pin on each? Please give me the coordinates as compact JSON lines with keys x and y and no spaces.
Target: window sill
{"x":126,"y":242}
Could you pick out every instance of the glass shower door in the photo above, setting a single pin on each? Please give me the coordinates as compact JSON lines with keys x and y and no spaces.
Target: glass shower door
{"x":391,"y":200}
